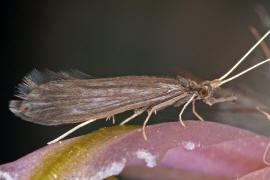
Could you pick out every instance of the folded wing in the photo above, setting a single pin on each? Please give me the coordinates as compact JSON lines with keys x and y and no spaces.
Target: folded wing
{"x":50,"y":98}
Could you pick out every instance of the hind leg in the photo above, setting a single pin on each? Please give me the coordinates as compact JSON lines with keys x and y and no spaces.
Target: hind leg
{"x":136,"y":113}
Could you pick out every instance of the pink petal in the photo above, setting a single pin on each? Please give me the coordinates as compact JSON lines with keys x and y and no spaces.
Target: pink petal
{"x":204,"y":148}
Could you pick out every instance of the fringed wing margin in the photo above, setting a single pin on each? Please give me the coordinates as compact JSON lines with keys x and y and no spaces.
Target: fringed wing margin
{"x":36,"y":78}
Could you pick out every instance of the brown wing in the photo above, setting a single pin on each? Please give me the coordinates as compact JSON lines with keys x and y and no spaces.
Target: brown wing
{"x":66,"y":99}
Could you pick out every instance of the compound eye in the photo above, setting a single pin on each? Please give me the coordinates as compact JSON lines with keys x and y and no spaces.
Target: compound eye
{"x":204,"y":91}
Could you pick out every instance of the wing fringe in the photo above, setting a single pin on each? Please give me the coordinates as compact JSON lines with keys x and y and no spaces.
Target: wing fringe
{"x":37,"y":78}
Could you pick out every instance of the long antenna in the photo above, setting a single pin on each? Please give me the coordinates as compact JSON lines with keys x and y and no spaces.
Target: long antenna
{"x":243,"y":58}
{"x":243,"y":72}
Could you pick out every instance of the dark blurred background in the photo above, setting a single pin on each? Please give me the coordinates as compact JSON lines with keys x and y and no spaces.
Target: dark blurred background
{"x":115,"y":38}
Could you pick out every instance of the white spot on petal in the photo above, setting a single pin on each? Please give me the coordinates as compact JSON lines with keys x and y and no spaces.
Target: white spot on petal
{"x":5,"y":176}
{"x":112,"y":169}
{"x":190,"y":145}
{"x":149,"y":158}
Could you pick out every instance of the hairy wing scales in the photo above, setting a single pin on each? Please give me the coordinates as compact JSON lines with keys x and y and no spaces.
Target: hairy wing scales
{"x":73,"y":100}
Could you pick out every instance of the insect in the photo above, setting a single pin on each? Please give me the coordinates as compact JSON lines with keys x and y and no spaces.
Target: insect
{"x":50,"y":98}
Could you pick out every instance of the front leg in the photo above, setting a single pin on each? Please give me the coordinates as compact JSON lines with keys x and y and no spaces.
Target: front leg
{"x":195,"y":112}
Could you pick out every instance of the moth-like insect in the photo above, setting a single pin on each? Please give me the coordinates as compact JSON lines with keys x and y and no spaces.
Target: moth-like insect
{"x":50,"y":98}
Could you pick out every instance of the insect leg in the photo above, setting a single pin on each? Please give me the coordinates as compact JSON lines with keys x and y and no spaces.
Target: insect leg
{"x":71,"y":131}
{"x":264,"y":112}
{"x":265,"y":154}
{"x":183,"y":109}
{"x":195,"y":112}
{"x":161,"y":106}
{"x":113,"y":119}
{"x":136,"y":113}
{"x":145,"y":122}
